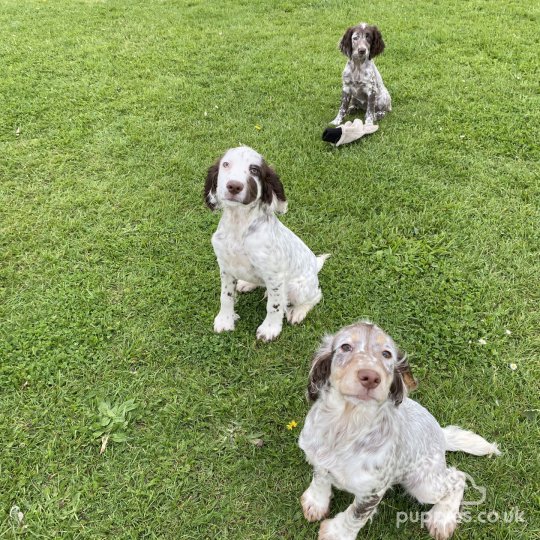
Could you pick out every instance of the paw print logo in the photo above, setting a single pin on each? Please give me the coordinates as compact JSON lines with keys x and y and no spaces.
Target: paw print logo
{"x":474,"y":495}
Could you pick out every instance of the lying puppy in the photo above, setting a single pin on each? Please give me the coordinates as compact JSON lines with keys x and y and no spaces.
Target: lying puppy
{"x":363,"y":87}
{"x":364,"y":435}
{"x":254,"y":248}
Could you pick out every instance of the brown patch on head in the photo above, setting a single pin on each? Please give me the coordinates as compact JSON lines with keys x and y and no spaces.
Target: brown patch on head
{"x":252,"y":190}
{"x":210,"y":185}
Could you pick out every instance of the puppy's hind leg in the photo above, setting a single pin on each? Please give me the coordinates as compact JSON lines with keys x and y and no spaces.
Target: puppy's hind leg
{"x":445,"y":490}
{"x":296,"y":313}
{"x":245,"y":286}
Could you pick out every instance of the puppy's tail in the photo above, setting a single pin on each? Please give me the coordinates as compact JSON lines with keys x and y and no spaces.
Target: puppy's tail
{"x":321,"y":260}
{"x":458,"y":439}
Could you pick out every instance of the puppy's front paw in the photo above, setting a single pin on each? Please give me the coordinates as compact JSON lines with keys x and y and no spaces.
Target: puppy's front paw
{"x":331,"y":529}
{"x":314,"y":508}
{"x":268,"y":331}
{"x":224,"y":322}
{"x":441,"y":522}
{"x":336,"y":121}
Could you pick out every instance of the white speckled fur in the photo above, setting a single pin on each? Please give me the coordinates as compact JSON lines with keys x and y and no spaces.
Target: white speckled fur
{"x":365,"y":446}
{"x":363,"y":87}
{"x":254,"y":249}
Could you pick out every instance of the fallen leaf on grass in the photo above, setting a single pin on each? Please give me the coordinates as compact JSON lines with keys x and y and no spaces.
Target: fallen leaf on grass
{"x":104,"y":442}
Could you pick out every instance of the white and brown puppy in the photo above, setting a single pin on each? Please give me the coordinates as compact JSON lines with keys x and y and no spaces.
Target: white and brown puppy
{"x":363,"y":87}
{"x":253,"y":248}
{"x":364,"y":435}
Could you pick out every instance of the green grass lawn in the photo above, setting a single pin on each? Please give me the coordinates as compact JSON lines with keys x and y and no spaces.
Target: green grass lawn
{"x":111,"y":113}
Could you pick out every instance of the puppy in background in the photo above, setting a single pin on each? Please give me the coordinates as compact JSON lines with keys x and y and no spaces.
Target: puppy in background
{"x":363,"y":87}
{"x":253,"y":248}
{"x":364,"y":435}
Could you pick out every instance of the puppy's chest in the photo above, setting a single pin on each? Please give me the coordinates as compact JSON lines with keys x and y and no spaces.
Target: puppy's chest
{"x":353,"y":468}
{"x":352,"y":461}
{"x":359,"y":80}
{"x":231,"y":253}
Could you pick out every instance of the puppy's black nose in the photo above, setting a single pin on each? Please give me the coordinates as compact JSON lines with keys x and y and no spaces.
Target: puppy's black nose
{"x":234,"y":187}
{"x":368,"y":378}
{"x":362,"y":51}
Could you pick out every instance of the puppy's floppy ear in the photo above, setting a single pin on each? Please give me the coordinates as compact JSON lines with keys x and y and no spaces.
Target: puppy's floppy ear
{"x":345,"y":45}
{"x":273,"y":192}
{"x":321,"y":366}
{"x":210,"y":186}
{"x":403,"y":381}
{"x":405,"y":369}
{"x":377,"y":44}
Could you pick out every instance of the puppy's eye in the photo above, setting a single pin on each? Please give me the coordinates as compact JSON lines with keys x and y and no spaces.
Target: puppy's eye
{"x":355,"y":38}
{"x":387,"y":354}
{"x":253,"y":169}
{"x":225,"y":164}
{"x":346,"y":347}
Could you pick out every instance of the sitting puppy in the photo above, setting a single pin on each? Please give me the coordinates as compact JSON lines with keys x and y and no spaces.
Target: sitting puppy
{"x":364,"y":435}
{"x":254,"y":248}
{"x":363,"y":87}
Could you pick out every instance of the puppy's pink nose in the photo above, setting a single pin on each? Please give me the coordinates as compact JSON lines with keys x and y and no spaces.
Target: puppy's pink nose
{"x":234,"y":187}
{"x":362,"y":51}
{"x":368,"y":378}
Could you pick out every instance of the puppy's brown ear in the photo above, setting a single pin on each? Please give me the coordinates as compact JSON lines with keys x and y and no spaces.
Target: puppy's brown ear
{"x":403,"y":381}
{"x":377,"y":43}
{"x":345,"y":45}
{"x":321,"y":366}
{"x":397,"y":389}
{"x":405,"y":369}
{"x":210,"y":186}
{"x":273,"y":192}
